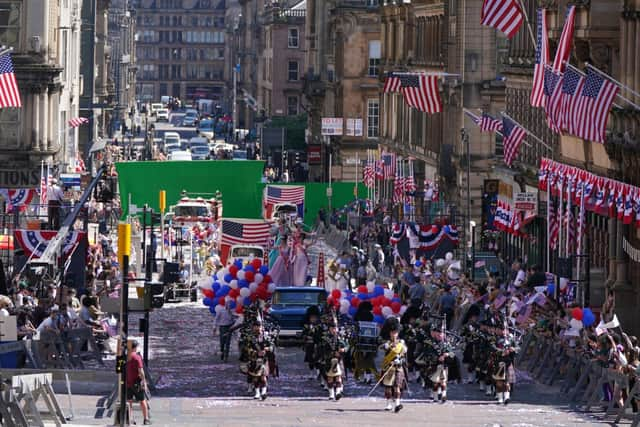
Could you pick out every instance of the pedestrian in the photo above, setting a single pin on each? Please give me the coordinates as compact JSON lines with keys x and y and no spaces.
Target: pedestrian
{"x":224,"y":321}
{"x":54,"y":198}
{"x":136,"y":383}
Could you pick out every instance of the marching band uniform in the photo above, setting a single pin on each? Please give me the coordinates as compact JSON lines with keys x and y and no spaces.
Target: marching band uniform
{"x":311,"y":335}
{"x":261,"y":361}
{"x":333,"y":349}
{"x":504,"y":354}
{"x":438,"y":351}
{"x":394,"y":369}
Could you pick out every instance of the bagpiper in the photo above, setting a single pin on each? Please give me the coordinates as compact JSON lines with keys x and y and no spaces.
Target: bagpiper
{"x":261,"y":358}
{"x":437,"y":352}
{"x":333,"y":349}
{"x":504,"y":373}
{"x":394,"y":364}
{"x":311,"y":336}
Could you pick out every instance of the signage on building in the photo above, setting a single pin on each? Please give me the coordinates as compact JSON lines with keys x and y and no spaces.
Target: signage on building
{"x":332,"y":126}
{"x":354,"y":127}
{"x":525,"y":201}
{"x":23,"y":178}
{"x":313,"y":154}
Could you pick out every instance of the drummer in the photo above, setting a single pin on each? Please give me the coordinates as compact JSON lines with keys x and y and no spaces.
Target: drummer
{"x":365,"y":355}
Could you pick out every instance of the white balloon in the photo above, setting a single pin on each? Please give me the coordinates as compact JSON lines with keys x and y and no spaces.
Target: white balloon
{"x":240,"y":274}
{"x":271,"y":288}
{"x":371,"y":286}
{"x":258,"y":278}
{"x":253,"y":287}
{"x":219,"y":309}
{"x":403,"y":309}
{"x":233,"y":284}
{"x":345,"y":303}
{"x":448,"y":256}
{"x":245,"y":292}
{"x":239,"y":299}
{"x":220,"y":275}
{"x":386,"y":311}
{"x":563,"y":282}
{"x":225,"y":271}
{"x":388,"y":293}
{"x":205,"y":283}
{"x":440,"y":262}
{"x":228,"y":298}
{"x":576,"y":324}
{"x":344,"y":309}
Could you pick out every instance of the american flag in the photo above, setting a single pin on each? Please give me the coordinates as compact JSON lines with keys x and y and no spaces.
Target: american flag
{"x":421,"y":92}
{"x":236,"y":233}
{"x":542,"y":59}
{"x":503,"y":15}
{"x":513,"y":136}
{"x":554,"y":226}
{"x":398,"y":189}
{"x":553,"y":95}
{"x":285,"y":194}
{"x":379,"y":165}
{"x":391,"y":83}
{"x":368,"y":176}
{"x":78,"y":121}
{"x":79,"y":166}
{"x":9,"y":92}
{"x":490,"y":124}
{"x":565,"y":41}
{"x":410,"y":184}
{"x":388,"y":164}
{"x":594,"y":105}
{"x":572,"y":84}
{"x":43,"y":188}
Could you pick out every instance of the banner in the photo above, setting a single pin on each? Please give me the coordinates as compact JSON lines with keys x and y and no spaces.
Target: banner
{"x":18,"y":197}
{"x":35,"y":241}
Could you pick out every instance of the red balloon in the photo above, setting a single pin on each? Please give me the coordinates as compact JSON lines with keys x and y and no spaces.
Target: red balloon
{"x":336,"y":294}
{"x":256,"y":263}
{"x":330,"y":300}
{"x":239,"y":309}
{"x":233,"y":293}
{"x":434,"y":228}
{"x":377,"y":310}
{"x":221,"y":301}
{"x":267,"y":279}
{"x":362,"y":289}
{"x":576,"y":313}
{"x":208,"y":293}
{"x":249,"y":276}
{"x":233,"y":270}
{"x":355,"y":302}
{"x":386,"y":302}
{"x":253,"y":297}
{"x":395,"y":306}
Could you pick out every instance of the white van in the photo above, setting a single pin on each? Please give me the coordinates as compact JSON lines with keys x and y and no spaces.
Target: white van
{"x":180,"y":155}
{"x":155,"y":107}
{"x":171,"y":138}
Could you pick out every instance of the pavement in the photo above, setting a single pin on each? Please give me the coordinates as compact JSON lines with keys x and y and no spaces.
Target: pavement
{"x":194,"y":388}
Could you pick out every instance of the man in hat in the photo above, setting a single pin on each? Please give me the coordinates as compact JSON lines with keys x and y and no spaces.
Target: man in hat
{"x":438,"y":351}
{"x":333,"y":349}
{"x":54,"y":200}
{"x":378,"y":258}
{"x":394,"y":369}
{"x":259,"y":354}
{"x":311,"y":334}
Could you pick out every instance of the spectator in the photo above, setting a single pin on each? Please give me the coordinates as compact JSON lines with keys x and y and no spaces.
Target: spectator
{"x":518,"y":273}
{"x":50,"y":324}
{"x":537,"y":277}
{"x":416,"y":291}
{"x":136,"y":383}
{"x":54,"y":198}
{"x":447,"y":305}
{"x":224,"y":321}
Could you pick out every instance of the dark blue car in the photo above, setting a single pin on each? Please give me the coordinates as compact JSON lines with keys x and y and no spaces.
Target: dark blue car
{"x":289,"y":305}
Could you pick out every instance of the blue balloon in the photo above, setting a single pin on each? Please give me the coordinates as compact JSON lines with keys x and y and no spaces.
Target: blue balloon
{"x":243,"y":283}
{"x":215,"y":287}
{"x":378,"y":319}
{"x":352,"y":311}
{"x":246,"y":301}
{"x":228,"y":277}
{"x":418,"y":263}
{"x":588,"y":318}
{"x":396,"y":299}
{"x":378,"y":290}
{"x":238,"y":263}
{"x":250,"y":268}
{"x":232,"y":305}
{"x":363,"y":297}
{"x":207,"y":301}
{"x":212,"y":309}
{"x":225,"y":290}
{"x":447,"y":229}
{"x":551,"y":288}
{"x":264,"y":270}
{"x":219,"y":293}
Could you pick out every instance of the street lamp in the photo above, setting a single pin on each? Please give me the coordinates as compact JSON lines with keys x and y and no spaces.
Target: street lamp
{"x":472,"y":226}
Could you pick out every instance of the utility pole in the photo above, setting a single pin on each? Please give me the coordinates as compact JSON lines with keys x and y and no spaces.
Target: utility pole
{"x":465,"y":141}
{"x":236,"y":70}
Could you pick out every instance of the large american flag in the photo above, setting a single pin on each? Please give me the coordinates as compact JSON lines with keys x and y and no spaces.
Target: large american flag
{"x":553,"y":94}
{"x":565,"y":41}
{"x":9,"y":92}
{"x":285,"y":194}
{"x":572,"y":83}
{"x":78,"y":121}
{"x":490,"y":124}
{"x":513,"y":136}
{"x":593,"y":107}
{"x":391,"y":83}
{"x":542,"y":59}
{"x":421,"y":92}
{"x":503,"y":15}
{"x":250,"y":233}
{"x":388,"y":164}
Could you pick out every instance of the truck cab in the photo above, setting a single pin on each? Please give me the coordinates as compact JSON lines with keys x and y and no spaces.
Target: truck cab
{"x":246,"y":253}
{"x":289,"y":306}
{"x":191,"y":211}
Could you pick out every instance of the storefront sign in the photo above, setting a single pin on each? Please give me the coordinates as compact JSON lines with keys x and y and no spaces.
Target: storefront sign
{"x":332,"y":126}
{"x":354,"y":127}
{"x":10,"y":178}
{"x":313,"y":154}
{"x":525,"y":201}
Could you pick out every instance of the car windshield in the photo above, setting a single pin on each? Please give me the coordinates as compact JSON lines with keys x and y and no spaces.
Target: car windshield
{"x":298,"y":298}
{"x":172,"y":141}
{"x":247,"y":252}
{"x":191,"y":211}
{"x":199,"y":149}
{"x":191,"y":114}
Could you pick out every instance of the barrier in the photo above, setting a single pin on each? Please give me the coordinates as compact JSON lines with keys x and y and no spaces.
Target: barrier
{"x":23,"y":347}
{"x":582,"y":378}
{"x":19,"y":401}
{"x":68,"y":350}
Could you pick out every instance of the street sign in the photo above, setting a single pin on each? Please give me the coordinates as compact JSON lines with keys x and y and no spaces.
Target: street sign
{"x":314,"y":154}
{"x":20,"y":178}
{"x":332,"y":125}
{"x":525,"y":202}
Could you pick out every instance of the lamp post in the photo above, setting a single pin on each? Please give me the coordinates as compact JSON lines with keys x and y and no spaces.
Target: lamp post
{"x":472,"y":227}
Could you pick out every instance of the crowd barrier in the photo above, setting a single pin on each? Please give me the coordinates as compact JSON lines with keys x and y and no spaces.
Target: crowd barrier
{"x":19,"y":398}
{"x":582,"y":378}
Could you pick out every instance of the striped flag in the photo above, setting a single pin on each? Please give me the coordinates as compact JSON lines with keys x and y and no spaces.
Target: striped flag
{"x":398,"y":189}
{"x":238,"y":232}
{"x":490,"y":124}
{"x":421,"y":92}
{"x":593,"y":107}
{"x":503,"y":15}
{"x":572,"y":83}
{"x":285,"y":194}
{"x":513,"y":137}
{"x":554,"y":226}
{"x":553,"y":94}
{"x":78,"y":121}
{"x":391,"y":83}
{"x":565,"y":41}
{"x":79,"y":164}
{"x":368,"y":176}
{"x":388,"y":164}
{"x":43,"y":187}
{"x":9,"y":92}
{"x":542,"y":59}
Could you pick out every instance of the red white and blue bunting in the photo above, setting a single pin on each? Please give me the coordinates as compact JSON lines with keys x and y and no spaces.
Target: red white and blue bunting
{"x":35,"y":241}
{"x":18,"y":197}
{"x":429,"y":236}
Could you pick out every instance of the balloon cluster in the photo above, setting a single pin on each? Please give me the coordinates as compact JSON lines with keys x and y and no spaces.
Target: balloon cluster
{"x":237,"y":284}
{"x":584,"y":315}
{"x":385,"y":303}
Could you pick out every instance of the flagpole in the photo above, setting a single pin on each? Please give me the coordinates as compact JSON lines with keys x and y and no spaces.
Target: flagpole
{"x":548,"y":222}
{"x":580,"y":237}
{"x":568,"y":242}
{"x":560,"y":215}
{"x":526,"y":19}
{"x":528,"y":132}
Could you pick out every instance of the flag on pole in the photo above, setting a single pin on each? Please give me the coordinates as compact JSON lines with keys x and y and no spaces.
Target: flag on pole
{"x":391,"y":83}
{"x":79,"y":164}
{"x":553,"y":225}
{"x":9,"y":92}
{"x":78,"y":121}
{"x":594,"y":105}
{"x":542,"y":59}
{"x":553,"y":94}
{"x":368,"y":176}
{"x":490,"y":124}
{"x":421,"y":92}
{"x":572,"y":83}
{"x":388,"y":164}
{"x":43,"y":186}
{"x":565,"y":41}
{"x":513,"y":137}
{"x":243,"y":231}
{"x":503,"y":15}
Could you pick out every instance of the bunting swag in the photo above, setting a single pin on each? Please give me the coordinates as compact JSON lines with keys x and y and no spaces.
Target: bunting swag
{"x":30,"y":239}
{"x":602,"y":196}
{"x":19,"y":197}
{"x":433,"y":240}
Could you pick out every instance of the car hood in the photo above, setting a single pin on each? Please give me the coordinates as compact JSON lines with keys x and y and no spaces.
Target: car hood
{"x":288,"y":310}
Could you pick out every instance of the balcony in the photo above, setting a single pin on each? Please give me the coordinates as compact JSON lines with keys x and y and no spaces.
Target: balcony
{"x":275,"y":15}
{"x":358,"y":4}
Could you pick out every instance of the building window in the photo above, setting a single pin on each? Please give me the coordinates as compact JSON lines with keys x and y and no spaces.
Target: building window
{"x":374,"y":58}
{"x":176,"y":71}
{"x":293,"y":71}
{"x":373,"y":117}
{"x":292,"y":106}
{"x":293,"y":38}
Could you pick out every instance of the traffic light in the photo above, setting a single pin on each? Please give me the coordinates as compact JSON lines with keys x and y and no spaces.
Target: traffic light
{"x":153,"y":295}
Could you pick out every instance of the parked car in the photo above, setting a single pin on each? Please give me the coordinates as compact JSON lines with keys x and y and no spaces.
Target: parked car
{"x":162,"y":115}
{"x":180,"y":155}
{"x":205,"y":128}
{"x":171,"y":147}
{"x":199,"y":152}
{"x":289,"y":306}
{"x":155,"y":107}
{"x":170,"y":138}
{"x":190,"y":118}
